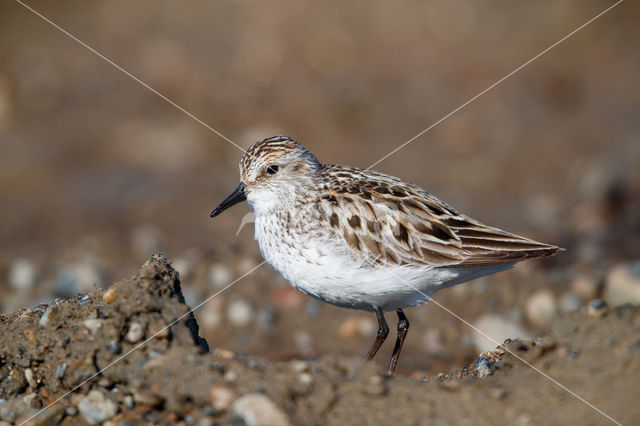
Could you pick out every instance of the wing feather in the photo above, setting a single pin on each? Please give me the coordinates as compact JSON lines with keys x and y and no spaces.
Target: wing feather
{"x":396,"y":223}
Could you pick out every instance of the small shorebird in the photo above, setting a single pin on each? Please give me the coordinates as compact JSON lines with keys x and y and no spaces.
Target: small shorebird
{"x":361,"y":239}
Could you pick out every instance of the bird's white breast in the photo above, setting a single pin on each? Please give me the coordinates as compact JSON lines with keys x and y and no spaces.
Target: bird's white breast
{"x":321,"y":264}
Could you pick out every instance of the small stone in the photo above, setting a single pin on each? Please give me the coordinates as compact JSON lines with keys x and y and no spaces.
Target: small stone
{"x":540,"y":308}
{"x":60,"y":370}
{"x":95,"y":408}
{"x":86,"y":299}
{"x":367,"y":327}
{"x":239,"y":313}
{"x":93,"y":324}
{"x":376,"y":385}
{"x":22,"y":275}
{"x":71,"y":411}
{"x":256,"y":409}
{"x":224,"y":354}
{"x":622,"y":284}
{"x":348,"y":328}
{"x":48,"y":315}
{"x":298,"y":366}
{"x":432,"y":341}
{"x":146,"y":397}
{"x":109,"y":296}
{"x":302,"y":384}
{"x":597,"y":308}
{"x":129,"y":402}
{"x":221,"y":398}
{"x":569,"y":302}
{"x":219,"y":275}
{"x":50,"y":417}
{"x":303,"y":340}
{"x":483,"y":366}
{"x":266,"y":319}
{"x":114,"y":347}
{"x":28,"y":375}
{"x":230,"y":376}
{"x":135,"y":332}
{"x":586,"y":286}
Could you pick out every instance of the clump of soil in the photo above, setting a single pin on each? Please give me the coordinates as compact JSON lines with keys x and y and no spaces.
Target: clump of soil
{"x":133,"y":353}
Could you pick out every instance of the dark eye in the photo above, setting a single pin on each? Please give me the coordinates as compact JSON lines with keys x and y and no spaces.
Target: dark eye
{"x":272,"y":169}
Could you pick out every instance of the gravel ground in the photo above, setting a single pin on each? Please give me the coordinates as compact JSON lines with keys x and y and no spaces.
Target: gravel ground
{"x":109,"y":358}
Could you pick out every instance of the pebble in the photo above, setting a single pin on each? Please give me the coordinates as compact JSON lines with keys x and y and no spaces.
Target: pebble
{"x":303,"y":340}
{"x":348,"y":328}
{"x":219,"y":275}
{"x":586,"y":286}
{"x":256,"y":409}
{"x":129,"y":402}
{"x":367,"y":327}
{"x":224,"y":354}
{"x":109,"y":296}
{"x":239,"y":312}
{"x":622,"y":284}
{"x":376,"y":385}
{"x":135,"y":332}
{"x":93,"y":324}
{"x":570,"y":302}
{"x":498,"y":329}
{"x":302,"y":384}
{"x":85,"y":300}
{"x":60,"y":370}
{"x":22,"y":275}
{"x":230,"y":376}
{"x":28,"y":375}
{"x":597,"y":308}
{"x":71,"y":411}
{"x":221,"y":398}
{"x":95,"y":408}
{"x":299,"y":366}
{"x":46,"y":318}
{"x":483,"y":366}
{"x":432,"y":341}
{"x":114,"y":347}
{"x":540,"y":308}
{"x":266,"y":318}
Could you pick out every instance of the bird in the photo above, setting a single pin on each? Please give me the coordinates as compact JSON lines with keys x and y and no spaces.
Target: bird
{"x":360,"y":239}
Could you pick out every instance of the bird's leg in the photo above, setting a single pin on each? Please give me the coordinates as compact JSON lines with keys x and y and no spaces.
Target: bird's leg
{"x":381,"y":335}
{"x":403,"y":327}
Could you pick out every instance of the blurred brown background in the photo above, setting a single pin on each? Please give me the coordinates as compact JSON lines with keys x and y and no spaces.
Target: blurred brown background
{"x":97,"y":173}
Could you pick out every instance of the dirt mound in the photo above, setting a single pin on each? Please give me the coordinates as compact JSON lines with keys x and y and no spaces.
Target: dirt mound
{"x":114,"y":352}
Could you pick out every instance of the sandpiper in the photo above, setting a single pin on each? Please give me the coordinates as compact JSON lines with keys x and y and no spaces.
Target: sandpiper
{"x":362,"y":239}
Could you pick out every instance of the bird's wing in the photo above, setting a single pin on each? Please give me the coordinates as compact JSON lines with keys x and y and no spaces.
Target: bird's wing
{"x":395,"y":223}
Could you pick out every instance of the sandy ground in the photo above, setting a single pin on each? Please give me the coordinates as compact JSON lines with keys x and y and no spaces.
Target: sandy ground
{"x":109,"y":358}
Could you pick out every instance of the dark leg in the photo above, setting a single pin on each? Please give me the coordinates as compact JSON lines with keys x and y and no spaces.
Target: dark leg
{"x":403,"y":327}
{"x":383,"y":332}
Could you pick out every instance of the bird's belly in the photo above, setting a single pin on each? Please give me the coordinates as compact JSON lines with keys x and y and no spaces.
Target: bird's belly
{"x":327,"y":270}
{"x":333,"y":277}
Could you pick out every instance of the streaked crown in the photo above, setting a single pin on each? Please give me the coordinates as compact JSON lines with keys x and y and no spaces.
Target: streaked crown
{"x":280,"y":151}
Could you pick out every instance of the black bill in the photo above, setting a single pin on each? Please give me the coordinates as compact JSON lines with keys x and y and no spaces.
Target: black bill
{"x":237,"y":196}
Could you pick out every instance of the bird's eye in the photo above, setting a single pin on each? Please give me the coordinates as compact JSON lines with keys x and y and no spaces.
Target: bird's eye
{"x":272,"y":169}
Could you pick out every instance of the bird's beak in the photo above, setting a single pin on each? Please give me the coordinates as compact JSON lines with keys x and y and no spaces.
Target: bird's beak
{"x":237,"y":196}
